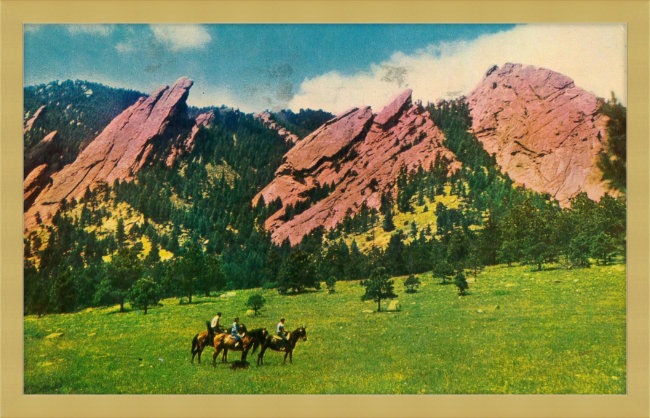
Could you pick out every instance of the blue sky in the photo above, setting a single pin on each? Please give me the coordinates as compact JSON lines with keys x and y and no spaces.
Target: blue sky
{"x":257,"y":67}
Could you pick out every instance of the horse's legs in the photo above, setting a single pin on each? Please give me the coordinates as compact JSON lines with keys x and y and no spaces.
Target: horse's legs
{"x":285,"y":358}
{"x":200,"y":351}
{"x":214,"y":357}
{"x":260,"y":356}
{"x":224,"y":359}
{"x":291,"y":357}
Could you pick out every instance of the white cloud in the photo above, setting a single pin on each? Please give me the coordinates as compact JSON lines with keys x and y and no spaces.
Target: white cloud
{"x":204,"y":95}
{"x":123,"y":47}
{"x":594,"y":56}
{"x":83,"y":29}
{"x":177,"y":37}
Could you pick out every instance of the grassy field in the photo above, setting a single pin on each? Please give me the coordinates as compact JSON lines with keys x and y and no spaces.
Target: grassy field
{"x":518,"y":331}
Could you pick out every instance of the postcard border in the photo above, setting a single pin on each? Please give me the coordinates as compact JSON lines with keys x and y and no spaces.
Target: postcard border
{"x":636,"y":14}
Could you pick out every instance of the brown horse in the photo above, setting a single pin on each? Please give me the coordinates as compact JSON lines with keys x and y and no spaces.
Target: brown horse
{"x":202,"y":340}
{"x":226,"y":342}
{"x":275,"y":344}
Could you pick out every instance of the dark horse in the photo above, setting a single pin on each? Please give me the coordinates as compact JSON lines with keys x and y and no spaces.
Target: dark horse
{"x":275,"y":343}
{"x":202,"y":340}
{"x":226,"y":342}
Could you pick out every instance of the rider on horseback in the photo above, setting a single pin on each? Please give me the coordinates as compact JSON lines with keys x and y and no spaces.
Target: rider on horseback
{"x":281,"y":332}
{"x":234,"y":331}
{"x":215,"y":323}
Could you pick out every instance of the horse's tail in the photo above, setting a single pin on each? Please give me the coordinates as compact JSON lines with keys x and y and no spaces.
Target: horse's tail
{"x":195,"y":343}
{"x":256,"y":343}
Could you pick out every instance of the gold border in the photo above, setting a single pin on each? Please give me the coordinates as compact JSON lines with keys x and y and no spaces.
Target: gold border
{"x":14,"y":13}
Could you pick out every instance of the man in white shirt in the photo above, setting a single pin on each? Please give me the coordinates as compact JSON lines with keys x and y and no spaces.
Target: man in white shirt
{"x":215,"y":323}
{"x":281,"y":332}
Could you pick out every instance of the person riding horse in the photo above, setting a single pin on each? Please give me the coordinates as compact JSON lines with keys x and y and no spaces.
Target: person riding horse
{"x":234,"y":331}
{"x":281,"y":332}
{"x":215,"y":323}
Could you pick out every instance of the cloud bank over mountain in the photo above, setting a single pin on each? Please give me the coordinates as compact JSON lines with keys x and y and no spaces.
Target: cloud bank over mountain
{"x":593,"y":55}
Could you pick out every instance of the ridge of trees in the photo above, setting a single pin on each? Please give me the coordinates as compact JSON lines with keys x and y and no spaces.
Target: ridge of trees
{"x":203,"y":220}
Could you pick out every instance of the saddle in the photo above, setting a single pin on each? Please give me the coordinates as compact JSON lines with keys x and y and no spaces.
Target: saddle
{"x":230,"y":338}
{"x":276,"y":339}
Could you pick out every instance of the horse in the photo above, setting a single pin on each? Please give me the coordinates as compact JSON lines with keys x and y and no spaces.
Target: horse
{"x":202,"y":340}
{"x":226,"y":342}
{"x":275,"y":343}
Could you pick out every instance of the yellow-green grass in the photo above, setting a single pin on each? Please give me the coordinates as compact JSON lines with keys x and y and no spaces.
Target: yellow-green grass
{"x":376,"y":236}
{"x":554,"y":331}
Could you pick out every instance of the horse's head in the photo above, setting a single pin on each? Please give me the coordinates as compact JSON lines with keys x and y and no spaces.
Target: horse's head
{"x":302,"y":333}
{"x":242,"y":329}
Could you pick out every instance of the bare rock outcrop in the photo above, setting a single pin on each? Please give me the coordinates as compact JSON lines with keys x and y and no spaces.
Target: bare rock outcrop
{"x":545,"y":132}
{"x":29,"y":123}
{"x":360,"y":154}
{"x":121,"y":150}
{"x":267,"y":120}
{"x":33,"y":184}
{"x":45,"y":151}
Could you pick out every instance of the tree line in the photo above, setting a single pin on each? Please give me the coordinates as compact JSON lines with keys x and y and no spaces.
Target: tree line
{"x":200,"y":213}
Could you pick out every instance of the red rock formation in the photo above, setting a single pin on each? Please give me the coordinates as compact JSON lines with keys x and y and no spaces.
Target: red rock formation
{"x":546,"y":132}
{"x":41,"y":152}
{"x":120,"y":151}
{"x":267,"y":120}
{"x":29,"y":124}
{"x":33,"y":184}
{"x":361,"y":154}
{"x":204,"y":119}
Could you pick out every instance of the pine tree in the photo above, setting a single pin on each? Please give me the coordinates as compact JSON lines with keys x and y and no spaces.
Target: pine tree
{"x":461,"y":283}
{"x":388,"y":224}
{"x":297,"y":273}
{"x":144,"y":293}
{"x":379,"y":286}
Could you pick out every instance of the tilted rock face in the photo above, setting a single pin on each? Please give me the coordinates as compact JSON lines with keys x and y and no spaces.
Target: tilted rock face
{"x":33,"y":184}
{"x":545,"y":132}
{"x":267,"y":120}
{"x":361,"y":154}
{"x":29,"y":124}
{"x":42,"y":152}
{"x":121,"y":150}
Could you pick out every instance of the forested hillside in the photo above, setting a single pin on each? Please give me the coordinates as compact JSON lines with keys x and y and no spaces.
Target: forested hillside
{"x":192,"y":229}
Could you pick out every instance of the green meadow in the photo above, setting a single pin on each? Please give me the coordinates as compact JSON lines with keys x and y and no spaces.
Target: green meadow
{"x":517,"y":331}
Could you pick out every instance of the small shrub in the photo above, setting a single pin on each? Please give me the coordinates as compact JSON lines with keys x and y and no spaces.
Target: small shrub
{"x":256,"y":302}
{"x":331,"y":284}
{"x":411,"y":284}
{"x":461,"y":283}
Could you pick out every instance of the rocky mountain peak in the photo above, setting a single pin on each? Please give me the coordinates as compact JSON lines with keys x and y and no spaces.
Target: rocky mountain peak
{"x":121,"y":150}
{"x":359,"y":155}
{"x":545,"y":132}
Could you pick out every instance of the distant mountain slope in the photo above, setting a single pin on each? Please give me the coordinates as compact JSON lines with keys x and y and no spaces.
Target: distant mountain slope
{"x":77,"y":110}
{"x":546,"y":133}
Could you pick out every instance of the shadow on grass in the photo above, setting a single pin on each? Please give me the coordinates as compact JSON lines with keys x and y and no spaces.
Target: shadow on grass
{"x":197,"y":302}
{"x":126,"y":310}
{"x":553,"y":268}
{"x":304,"y":292}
